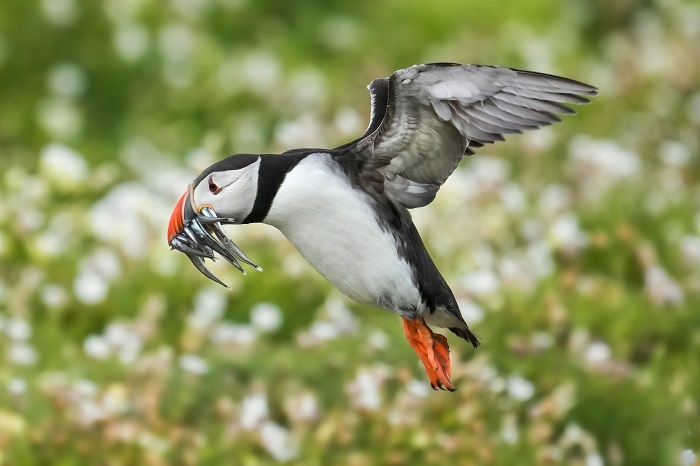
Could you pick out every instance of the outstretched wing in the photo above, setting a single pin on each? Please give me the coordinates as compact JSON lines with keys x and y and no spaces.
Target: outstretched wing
{"x":426,"y":117}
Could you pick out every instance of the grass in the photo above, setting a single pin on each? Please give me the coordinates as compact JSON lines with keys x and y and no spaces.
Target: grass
{"x":574,"y":251}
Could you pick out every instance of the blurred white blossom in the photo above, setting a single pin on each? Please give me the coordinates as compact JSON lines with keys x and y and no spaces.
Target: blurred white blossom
{"x":480,"y":282}
{"x":62,"y":166}
{"x":60,"y":117}
{"x":16,"y":386}
{"x":53,"y":295}
{"x":227,"y":333}
{"x":131,"y":41}
{"x":18,"y":329}
{"x":303,"y":407}
{"x":365,"y":389}
{"x":95,"y":275}
{"x":471,"y":312}
{"x":509,"y":430}
{"x":254,"y":410}
{"x":687,"y":458}
{"x":347,"y":122}
{"x":519,"y":388}
{"x":597,"y":353}
{"x":193,"y":364}
{"x":21,"y":354}
{"x":418,"y":388}
{"x":278,"y":441}
{"x":599,"y":163}
{"x":96,"y":347}
{"x":60,"y":12}
{"x":566,"y":233}
{"x":266,"y":317}
{"x":661,"y":287}
{"x":209,"y":306}
{"x":594,"y":459}
{"x":675,"y":154}
{"x":67,"y":80}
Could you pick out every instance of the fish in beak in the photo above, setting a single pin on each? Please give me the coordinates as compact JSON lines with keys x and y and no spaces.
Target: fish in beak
{"x":198,"y":233}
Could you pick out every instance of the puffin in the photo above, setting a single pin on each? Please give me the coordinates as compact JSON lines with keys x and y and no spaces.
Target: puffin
{"x":347,"y":209}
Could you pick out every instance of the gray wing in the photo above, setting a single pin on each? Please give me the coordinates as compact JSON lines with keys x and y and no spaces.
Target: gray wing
{"x":426,"y":117}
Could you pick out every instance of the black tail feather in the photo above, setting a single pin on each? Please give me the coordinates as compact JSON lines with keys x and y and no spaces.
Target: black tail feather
{"x":466,"y":334}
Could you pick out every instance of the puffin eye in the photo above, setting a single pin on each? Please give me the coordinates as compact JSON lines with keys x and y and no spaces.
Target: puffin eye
{"x":213,"y":187}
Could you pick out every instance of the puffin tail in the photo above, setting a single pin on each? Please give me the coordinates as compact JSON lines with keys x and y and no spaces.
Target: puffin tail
{"x":466,"y":334}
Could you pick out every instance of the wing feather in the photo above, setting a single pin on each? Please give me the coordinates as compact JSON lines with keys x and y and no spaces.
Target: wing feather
{"x":426,"y":117}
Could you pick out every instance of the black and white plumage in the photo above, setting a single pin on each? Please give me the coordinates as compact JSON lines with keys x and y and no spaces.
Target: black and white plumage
{"x":346,"y":209}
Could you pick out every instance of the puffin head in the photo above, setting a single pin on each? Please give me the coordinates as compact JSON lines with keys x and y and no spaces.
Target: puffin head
{"x":222,"y":194}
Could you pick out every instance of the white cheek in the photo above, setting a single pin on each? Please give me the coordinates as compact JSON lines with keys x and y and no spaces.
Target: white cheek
{"x":238,"y":199}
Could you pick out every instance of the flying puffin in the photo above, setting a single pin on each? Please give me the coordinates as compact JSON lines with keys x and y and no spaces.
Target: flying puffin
{"x":346,"y":210}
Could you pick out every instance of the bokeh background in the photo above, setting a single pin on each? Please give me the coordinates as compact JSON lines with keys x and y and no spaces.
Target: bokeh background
{"x":574,"y":250}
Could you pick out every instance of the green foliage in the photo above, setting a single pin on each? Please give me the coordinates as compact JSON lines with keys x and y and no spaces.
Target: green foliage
{"x":574,"y":251}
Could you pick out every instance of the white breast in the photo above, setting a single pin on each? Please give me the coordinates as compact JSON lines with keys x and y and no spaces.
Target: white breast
{"x":335,"y":228}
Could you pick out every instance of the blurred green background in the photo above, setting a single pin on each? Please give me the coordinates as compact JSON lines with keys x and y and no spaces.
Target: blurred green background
{"x":574,"y":250}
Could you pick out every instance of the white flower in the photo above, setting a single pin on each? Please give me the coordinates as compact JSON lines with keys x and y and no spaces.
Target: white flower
{"x":417,"y":388}
{"x":307,"y":407}
{"x":687,"y":458}
{"x":324,"y":330}
{"x":18,"y":329}
{"x":254,"y":410}
{"x":176,"y":42}
{"x":364,"y":390}
{"x":347,"y":122}
{"x":95,"y":274}
{"x":480,"y":282}
{"x":472,"y":312}
{"x":378,"y":339}
{"x":597,"y":353}
{"x":675,"y":154}
{"x":85,"y":388}
{"x":660,"y":287}
{"x":62,"y":166}
{"x":601,"y":163}
{"x":519,"y":388}
{"x":566,"y":234}
{"x":16,"y":386}
{"x":60,"y":12}
{"x":131,"y":41}
{"x":89,"y":287}
{"x":513,"y":198}
{"x":53,"y":295}
{"x":690,"y":247}
{"x":96,"y":347}
{"x":124,"y":215}
{"x":509,"y":430}
{"x":542,"y":340}
{"x":21,"y":354}
{"x":60,"y":117}
{"x":236,"y":334}
{"x":594,"y":459}
{"x":278,"y":441}
{"x":553,"y":199}
{"x":67,"y":80}
{"x":266,"y":317}
{"x":193,"y":364}
{"x":209,"y":306}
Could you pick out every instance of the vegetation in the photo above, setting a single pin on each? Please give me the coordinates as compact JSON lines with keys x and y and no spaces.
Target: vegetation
{"x":574,"y":250}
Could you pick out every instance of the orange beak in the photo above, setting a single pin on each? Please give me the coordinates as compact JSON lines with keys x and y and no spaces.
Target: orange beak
{"x":177,"y":218}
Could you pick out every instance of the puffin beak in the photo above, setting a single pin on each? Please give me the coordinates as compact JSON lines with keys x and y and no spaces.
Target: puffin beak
{"x":199,"y":235}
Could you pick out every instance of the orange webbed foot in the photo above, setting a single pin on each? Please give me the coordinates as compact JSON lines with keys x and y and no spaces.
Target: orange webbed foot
{"x":433,"y":351}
